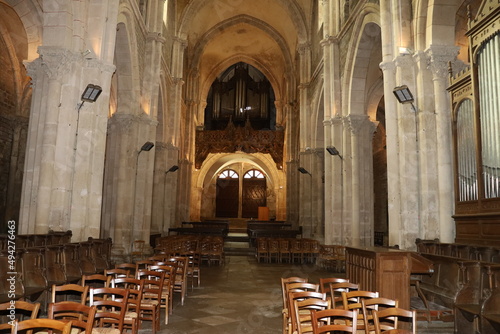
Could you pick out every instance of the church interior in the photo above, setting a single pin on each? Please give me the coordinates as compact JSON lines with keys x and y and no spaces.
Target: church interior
{"x":366,"y":132}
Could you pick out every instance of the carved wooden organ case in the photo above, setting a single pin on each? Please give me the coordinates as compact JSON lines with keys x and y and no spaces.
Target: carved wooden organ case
{"x":475,"y":96}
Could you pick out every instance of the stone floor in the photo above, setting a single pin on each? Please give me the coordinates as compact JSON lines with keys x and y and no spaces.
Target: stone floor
{"x":242,"y":296}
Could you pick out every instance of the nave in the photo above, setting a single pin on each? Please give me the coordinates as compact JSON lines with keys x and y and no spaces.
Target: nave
{"x":244,"y":296}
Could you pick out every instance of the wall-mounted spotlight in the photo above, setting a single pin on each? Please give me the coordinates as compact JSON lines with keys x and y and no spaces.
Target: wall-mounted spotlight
{"x":172,"y":169}
{"x":91,"y":93}
{"x":303,"y":170}
{"x":333,"y":151}
{"x":147,"y":146}
{"x":404,"y":95}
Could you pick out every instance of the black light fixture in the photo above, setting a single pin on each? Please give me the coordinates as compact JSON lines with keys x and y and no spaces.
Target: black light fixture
{"x":303,"y":170}
{"x":172,"y":169}
{"x":147,"y":146}
{"x":403,"y":94}
{"x":333,"y":151}
{"x":91,"y":93}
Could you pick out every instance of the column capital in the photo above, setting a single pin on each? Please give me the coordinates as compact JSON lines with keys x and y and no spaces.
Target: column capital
{"x":57,"y":61}
{"x":356,"y":123}
{"x":302,"y":48}
{"x":387,"y":66}
{"x":180,"y":41}
{"x":439,"y":57}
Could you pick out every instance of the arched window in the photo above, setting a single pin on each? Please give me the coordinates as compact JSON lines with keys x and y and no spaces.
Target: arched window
{"x":253,"y":174}
{"x":228,"y":174}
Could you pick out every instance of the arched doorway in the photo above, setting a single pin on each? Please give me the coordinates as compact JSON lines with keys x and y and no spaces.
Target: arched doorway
{"x":240,"y":197}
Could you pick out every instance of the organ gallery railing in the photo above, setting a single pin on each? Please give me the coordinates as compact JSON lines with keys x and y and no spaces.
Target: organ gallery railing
{"x":239,"y":139}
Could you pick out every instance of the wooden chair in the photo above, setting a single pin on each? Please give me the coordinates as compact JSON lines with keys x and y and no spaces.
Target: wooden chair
{"x":303,"y":310}
{"x":134,"y":287}
{"x":273,"y":250}
{"x":81,"y":316}
{"x":284,"y":250}
{"x":284,"y":292}
{"x":96,"y":281}
{"x":180,"y":284}
{"x":194,"y":270}
{"x":334,"y":320}
{"x":131,"y":267}
{"x":42,"y":325}
{"x":336,"y":290}
{"x":368,"y":305}
{"x":23,"y":310}
{"x":352,"y":301}
{"x":151,"y":302}
{"x":324,"y":283}
{"x":169,"y":273}
{"x":301,"y":320}
{"x":296,"y":294}
{"x":143,"y":265}
{"x":117,"y":272}
{"x":70,"y":292}
{"x":391,"y":318}
{"x":262,"y":250}
{"x":111,"y":305}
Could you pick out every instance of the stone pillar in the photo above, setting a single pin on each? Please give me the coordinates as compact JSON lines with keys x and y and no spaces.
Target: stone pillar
{"x":164,"y":188}
{"x":439,"y":58}
{"x":129,"y":181}
{"x":361,"y":202}
{"x":62,"y":187}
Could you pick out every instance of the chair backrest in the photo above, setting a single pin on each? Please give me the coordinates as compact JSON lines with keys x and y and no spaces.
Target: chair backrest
{"x":301,"y":321}
{"x":96,"y":280}
{"x":391,"y":318}
{"x":127,"y":266}
{"x":110,"y":313}
{"x":76,"y":292}
{"x":368,"y":305}
{"x":22,"y":308}
{"x":143,"y":265}
{"x":330,"y":320}
{"x":42,"y":325}
{"x":324,"y":283}
{"x":81,"y":316}
{"x":336,"y":292}
{"x":352,"y":299}
{"x":150,"y":274}
{"x":117,"y":272}
{"x":134,"y":287}
{"x":114,"y":294}
{"x":287,"y":280}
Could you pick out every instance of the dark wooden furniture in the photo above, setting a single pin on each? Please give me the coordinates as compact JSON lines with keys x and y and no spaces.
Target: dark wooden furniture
{"x":475,"y":141}
{"x":385,"y":270}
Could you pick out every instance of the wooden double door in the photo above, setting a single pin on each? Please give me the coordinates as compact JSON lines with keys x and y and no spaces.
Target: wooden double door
{"x":233,"y":203}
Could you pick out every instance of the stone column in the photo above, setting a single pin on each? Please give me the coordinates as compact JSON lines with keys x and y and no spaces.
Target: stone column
{"x":439,"y":58}
{"x":62,"y":187}
{"x":361,"y":203}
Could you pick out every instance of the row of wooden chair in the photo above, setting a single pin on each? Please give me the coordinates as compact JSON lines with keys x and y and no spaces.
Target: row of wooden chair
{"x":335,"y":304}
{"x":210,"y":249}
{"x":290,"y":250}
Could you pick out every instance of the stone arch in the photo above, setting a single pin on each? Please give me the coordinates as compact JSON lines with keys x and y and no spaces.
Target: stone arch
{"x":214,"y":164}
{"x":291,"y":6}
{"x":367,"y":30}
{"x":216,"y":70}
{"x":30,"y":14}
{"x":219,"y":29}
{"x":127,"y":64}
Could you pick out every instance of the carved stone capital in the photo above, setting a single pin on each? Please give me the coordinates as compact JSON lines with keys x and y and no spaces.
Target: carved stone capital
{"x":356,"y":123}
{"x":438,"y":58}
{"x":155,"y":37}
{"x":303,"y":48}
{"x":387,"y":66}
{"x":404,"y":61}
{"x":57,"y":61}
{"x":181,"y":42}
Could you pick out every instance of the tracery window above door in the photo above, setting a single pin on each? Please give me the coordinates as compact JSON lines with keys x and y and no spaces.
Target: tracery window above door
{"x":253,"y":174}
{"x":228,"y":174}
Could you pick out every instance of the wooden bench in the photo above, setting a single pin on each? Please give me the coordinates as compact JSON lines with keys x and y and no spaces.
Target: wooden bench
{"x":490,"y":313}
